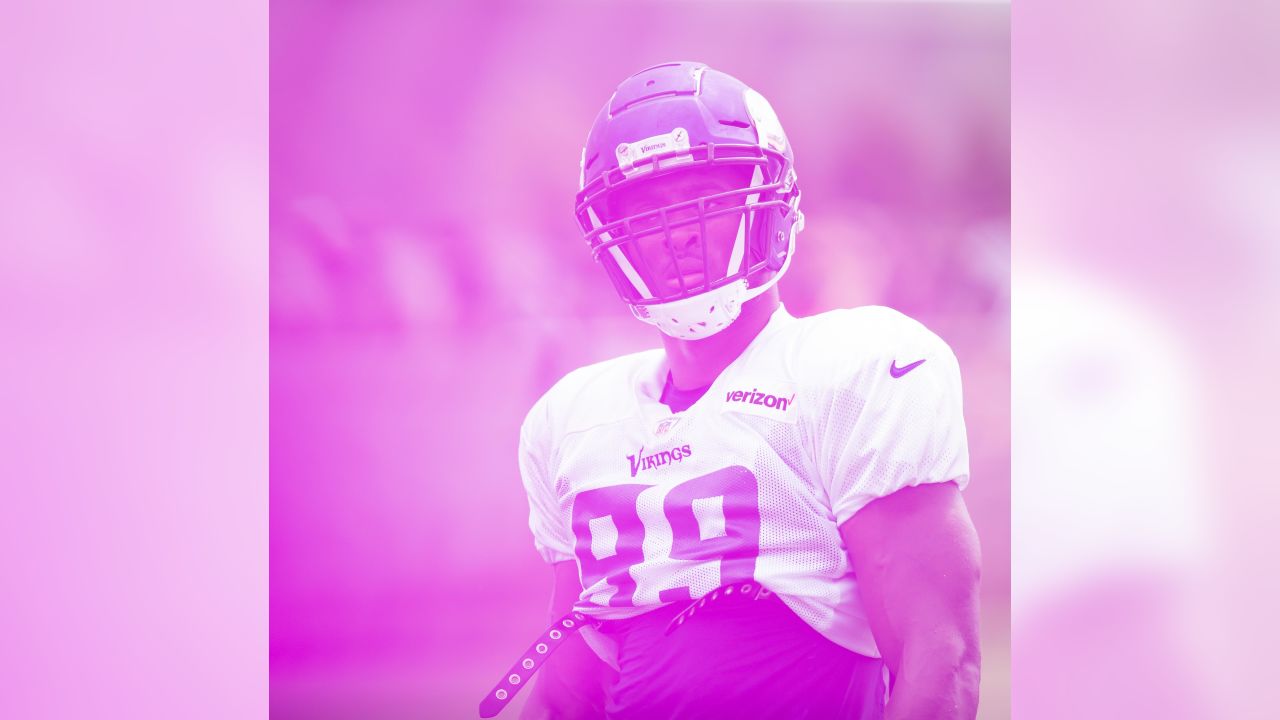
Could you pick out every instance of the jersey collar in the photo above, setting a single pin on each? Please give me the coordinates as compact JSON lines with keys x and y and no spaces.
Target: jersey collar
{"x":649,"y":383}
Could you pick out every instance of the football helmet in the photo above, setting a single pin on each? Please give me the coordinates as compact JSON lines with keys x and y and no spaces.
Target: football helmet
{"x":664,"y":120}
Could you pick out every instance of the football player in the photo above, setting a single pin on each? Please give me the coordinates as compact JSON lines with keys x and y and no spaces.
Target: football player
{"x":761,"y":519}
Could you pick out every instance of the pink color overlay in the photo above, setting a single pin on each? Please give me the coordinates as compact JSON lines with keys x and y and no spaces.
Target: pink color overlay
{"x":429,"y":281}
{"x":133,"y":532}
{"x":133,"y":360}
{"x":1146,"y":287}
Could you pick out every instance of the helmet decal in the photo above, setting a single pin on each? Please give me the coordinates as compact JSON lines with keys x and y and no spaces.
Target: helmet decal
{"x":631,"y":153}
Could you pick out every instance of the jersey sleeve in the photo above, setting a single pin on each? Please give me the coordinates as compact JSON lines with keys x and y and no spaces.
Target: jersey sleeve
{"x":551,"y":536}
{"x":886,"y":427}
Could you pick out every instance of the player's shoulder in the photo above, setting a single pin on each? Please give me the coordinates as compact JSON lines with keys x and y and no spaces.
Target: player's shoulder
{"x":868,"y":338}
{"x":591,"y":395}
{"x":867,"y":329}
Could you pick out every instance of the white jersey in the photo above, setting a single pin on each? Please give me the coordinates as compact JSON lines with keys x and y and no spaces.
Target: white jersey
{"x":816,"y":418}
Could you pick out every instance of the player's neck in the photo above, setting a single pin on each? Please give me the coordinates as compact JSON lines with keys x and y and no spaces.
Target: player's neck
{"x":697,"y":363}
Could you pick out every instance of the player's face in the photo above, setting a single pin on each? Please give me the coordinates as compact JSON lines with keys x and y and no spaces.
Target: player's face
{"x":688,"y":251}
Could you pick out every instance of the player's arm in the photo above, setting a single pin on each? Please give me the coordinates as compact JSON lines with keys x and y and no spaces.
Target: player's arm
{"x":570,"y":686}
{"x":916,"y":557}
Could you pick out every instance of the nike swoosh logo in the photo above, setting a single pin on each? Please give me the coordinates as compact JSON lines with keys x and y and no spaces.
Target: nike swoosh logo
{"x":898,"y":372}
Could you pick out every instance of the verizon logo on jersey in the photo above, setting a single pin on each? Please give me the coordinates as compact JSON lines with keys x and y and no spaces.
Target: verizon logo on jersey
{"x":755,"y":397}
{"x":779,"y":404}
{"x":640,"y":461}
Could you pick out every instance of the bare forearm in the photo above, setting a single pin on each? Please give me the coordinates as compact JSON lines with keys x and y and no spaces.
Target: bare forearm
{"x":935,"y":684}
{"x":918,"y":564}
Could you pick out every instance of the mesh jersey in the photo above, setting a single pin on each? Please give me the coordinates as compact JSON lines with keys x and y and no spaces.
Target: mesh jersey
{"x":815,"y":419}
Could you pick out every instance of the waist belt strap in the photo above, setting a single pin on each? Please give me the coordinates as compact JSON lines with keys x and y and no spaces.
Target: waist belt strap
{"x":524,"y":668}
{"x":551,"y":639}
{"x":720,"y":596}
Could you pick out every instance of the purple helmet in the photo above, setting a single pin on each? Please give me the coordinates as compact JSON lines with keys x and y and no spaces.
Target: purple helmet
{"x":665,"y":119}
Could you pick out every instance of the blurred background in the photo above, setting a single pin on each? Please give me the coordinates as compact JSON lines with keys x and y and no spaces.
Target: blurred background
{"x":133,"y":307}
{"x":1146,"y":311}
{"x":428,"y":283}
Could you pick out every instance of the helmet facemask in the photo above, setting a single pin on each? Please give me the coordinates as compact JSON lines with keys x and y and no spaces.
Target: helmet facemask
{"x":693,"y":234}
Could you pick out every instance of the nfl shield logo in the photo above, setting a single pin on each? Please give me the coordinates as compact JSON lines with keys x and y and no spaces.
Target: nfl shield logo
{"x":665,"y":425}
